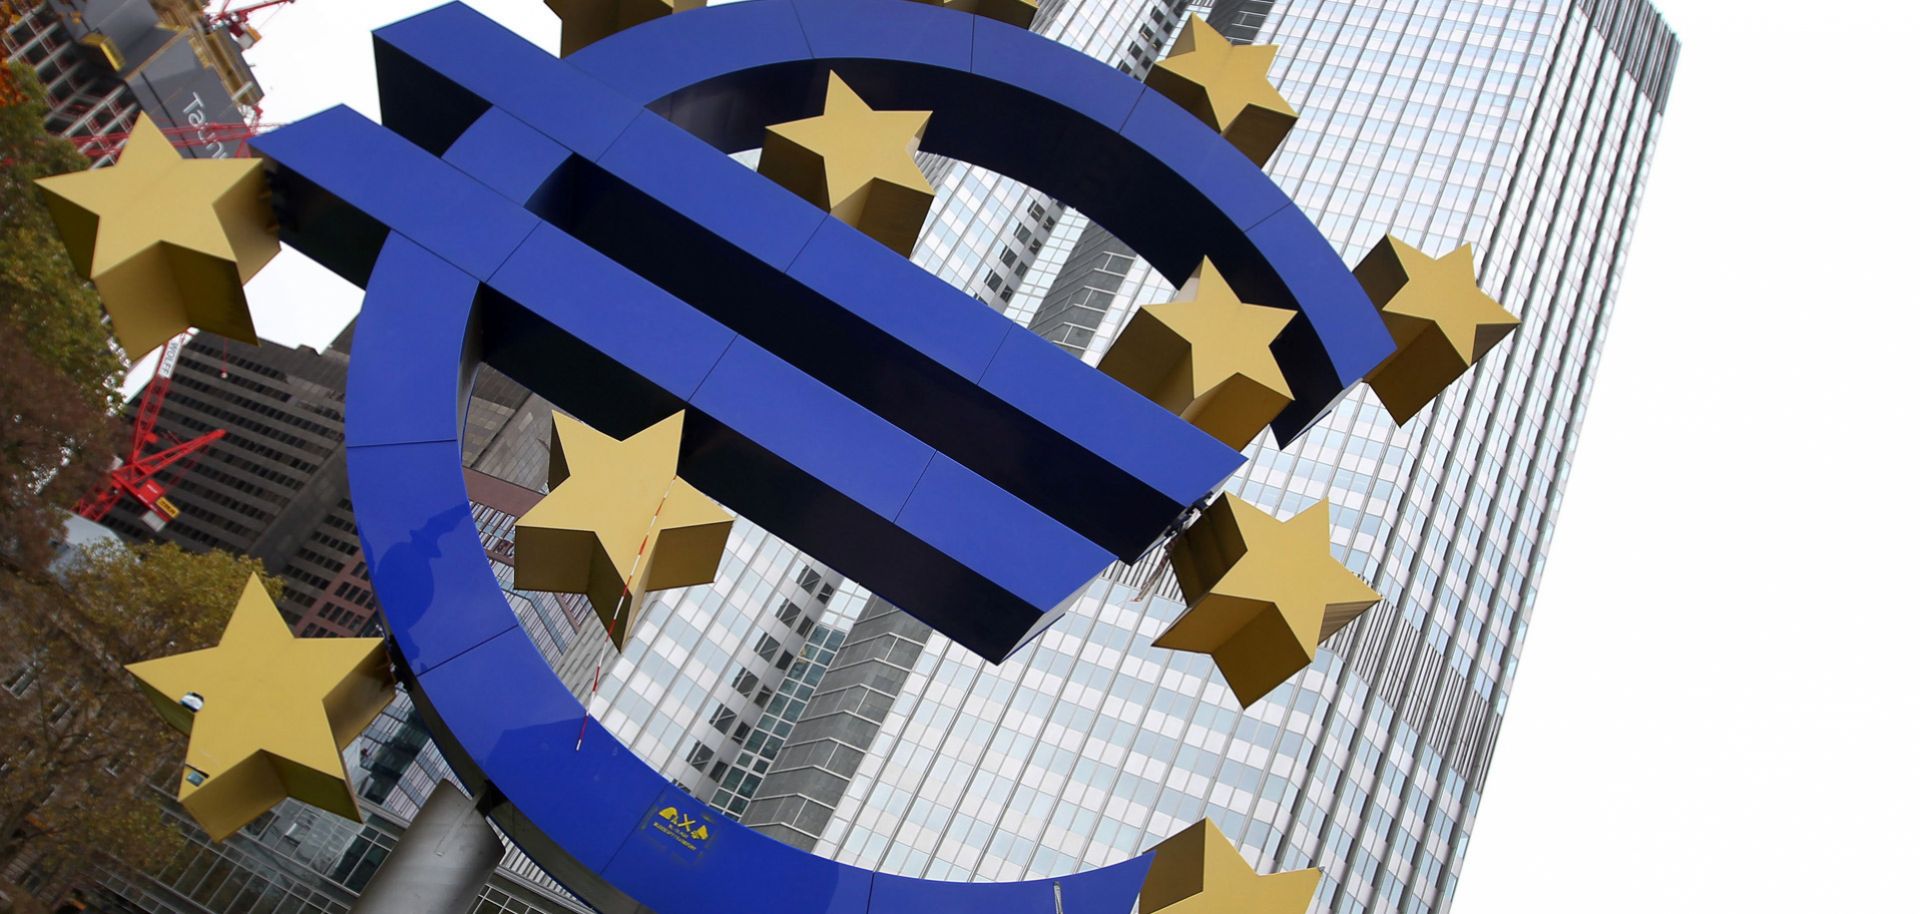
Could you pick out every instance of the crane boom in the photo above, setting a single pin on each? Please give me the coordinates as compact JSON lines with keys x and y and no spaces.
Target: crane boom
{"x":102,"y":145}
{"x":139,"y":476}
{"x":235,"y":20}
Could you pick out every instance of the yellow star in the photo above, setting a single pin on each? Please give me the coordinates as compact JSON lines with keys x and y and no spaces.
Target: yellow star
{"x":1199,"y":871}
{"x":856,"y":163}
{"x":1225,"y":85}
{"x":1011,"y":12}
{"x":1262,"y":594}
{"x":276,"y":712}
{"x":1206,"y":355}
{"x":618,"y":521}
{"x":169,"y":242}
{"x":1440,"y":320}
{"x":583,"y":22}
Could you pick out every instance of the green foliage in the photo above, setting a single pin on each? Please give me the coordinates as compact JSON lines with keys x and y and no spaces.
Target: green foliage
{"x":55,"y":443}
{"x":157,"y":599}
{"x":81,"y":745}
{"x":42,"y":299}
{"x":58,"y":370}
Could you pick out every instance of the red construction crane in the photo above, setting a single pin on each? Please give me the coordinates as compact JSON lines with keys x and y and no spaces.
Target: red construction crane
{"x":235,"y":20}
{"x":145,"y":477}
{"x":98,"y":146}
{"x":102,"y":145}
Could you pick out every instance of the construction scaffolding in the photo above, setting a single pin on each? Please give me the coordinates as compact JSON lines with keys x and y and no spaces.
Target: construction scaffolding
{"x":104,"y":62}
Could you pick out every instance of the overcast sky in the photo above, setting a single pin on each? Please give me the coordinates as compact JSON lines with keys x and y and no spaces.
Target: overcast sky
{"x":1716,"y":707}
{"x":1717,"y":703}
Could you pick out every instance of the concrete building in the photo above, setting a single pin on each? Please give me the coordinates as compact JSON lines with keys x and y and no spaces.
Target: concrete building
{"x":276,"y":487}
{"x":299,"y":859}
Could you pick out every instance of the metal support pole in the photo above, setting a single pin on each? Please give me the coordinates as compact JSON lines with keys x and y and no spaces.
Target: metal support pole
{"x":441,"y":863}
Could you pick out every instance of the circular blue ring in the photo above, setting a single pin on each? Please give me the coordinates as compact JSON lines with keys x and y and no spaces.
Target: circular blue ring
{"x":570,"y":793}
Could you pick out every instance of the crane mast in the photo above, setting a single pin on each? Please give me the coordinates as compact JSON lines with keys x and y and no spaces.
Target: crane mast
{"x":146,"y":475}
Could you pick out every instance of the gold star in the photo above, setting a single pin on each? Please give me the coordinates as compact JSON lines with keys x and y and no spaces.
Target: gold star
{"x":1225,"y":85}
{"x":1262,"y":594}
{"x":1440,"y":320}
{"x":583,"y":22}
{"x":856,"y":163}
{"x":1199,"y":871}
{"x":277,"y":710}
{"x":1206,"y":355}
{"x":169,"y":242}
{"x":1011,"y":12}
{"x":618,"y":522}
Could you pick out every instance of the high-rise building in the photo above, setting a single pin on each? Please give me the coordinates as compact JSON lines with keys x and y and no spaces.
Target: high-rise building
{"x":1523,"y":127}
{"x":104,"y":62}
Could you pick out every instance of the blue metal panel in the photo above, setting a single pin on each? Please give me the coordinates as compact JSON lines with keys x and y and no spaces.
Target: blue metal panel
{"x":1219,"y":172}
{"x":829,"y":438}
{"x":901,"y":300}
{"x":411,"y":295}
{"x":503,"y":153}
{"x":630,"y":320}
{"x":1046,"y":383}
{"x":1113,"y":489}
{"x":1006,"y":540}
{"x":1112,"y":890}
{"x":712,"y":193}
{"x":857,"y":305}
{"x":874,"y":30}
{"x":1337,"y":309}
{"x":493,"y":63}
{"x":437,"y":590}
{"x":351,"y":162}
{"x":652,"y":63}
{"x":1075,"y":82}
{"x":734,"y":869}
{"x":527,"y":745}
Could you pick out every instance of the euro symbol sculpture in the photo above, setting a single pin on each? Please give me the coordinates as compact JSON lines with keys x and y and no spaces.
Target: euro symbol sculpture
{"x":579,"y":224}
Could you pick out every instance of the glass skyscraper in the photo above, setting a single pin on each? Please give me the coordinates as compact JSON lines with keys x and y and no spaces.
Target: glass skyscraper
{"x":806,"y":707}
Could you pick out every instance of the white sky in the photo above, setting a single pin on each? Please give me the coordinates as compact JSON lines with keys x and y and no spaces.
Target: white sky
{"x":1716,"y":705}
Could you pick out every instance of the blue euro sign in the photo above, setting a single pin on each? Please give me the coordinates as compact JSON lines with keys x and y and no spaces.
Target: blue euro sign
{"x":579,"y":225}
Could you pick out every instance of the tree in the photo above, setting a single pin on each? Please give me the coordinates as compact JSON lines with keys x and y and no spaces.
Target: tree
{"x":59,"y":371}
{"x":79,"y":743}
{"x":55,"y":443}
{"x":41,"y":297}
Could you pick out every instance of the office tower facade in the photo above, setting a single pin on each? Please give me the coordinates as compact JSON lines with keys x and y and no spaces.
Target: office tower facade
{"x":277,"y":471}
{"x":1524,"y":127}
